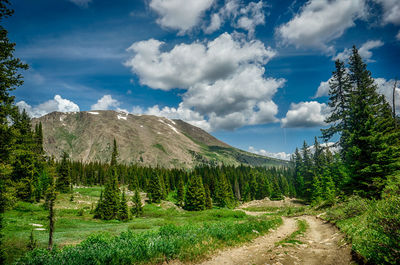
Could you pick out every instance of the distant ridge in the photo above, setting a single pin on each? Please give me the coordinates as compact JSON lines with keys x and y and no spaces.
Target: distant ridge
{"x":143,"y":139}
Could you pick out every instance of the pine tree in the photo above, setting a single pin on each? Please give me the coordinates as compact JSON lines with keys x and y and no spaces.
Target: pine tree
{"x":373,"y":141}
{"x":137,"y":208}
{"x":63,"y":171}
{"x":98,"y":211}
{"x":155,"y":189}
{"x":223,"y":192}
{"x":195,"y":197}
{"x":111,"y":198}
{"x":339,"y":102}
{"x":180,"y":191}
{"x":123,"y":213}
{"x":208,"y":198}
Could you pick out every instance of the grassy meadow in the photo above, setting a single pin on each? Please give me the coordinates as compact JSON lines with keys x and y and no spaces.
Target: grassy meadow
{"x":75,"y":226}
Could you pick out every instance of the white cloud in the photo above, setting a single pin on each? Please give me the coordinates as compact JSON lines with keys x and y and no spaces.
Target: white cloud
{"x":188,"y":64}
{"x":57,"y":104}
{"x":279,"y":155}
{"x":105,"y":103}
{"x":385,"y":87}
{"x":398,"y":36}
{"x":306,"y":114}
{"x":251,"y":16}
{"x":182,"y":113}
{"x":391,"y":11}
{"x":323,"y":89}
{"x":246,"y":17}
{"x":223,"y":78}
{"x":321,"y":21}
{"x":181,"y":15}
{"x":81,"y":3}
{"x":364,"y":51}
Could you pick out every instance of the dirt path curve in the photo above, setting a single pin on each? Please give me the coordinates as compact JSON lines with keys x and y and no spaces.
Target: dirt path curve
{"x":323,"y":244}
{"x":254,"y":252}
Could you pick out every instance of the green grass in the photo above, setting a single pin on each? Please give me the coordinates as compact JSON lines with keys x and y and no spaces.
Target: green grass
{"x":302,"y":226}
{"x":71,"y":229}
{"x":160,"y":147}
{"x":186,"y":243}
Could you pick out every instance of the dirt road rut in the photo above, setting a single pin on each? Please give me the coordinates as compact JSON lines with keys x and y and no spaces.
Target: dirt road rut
{"x":321,"y":244}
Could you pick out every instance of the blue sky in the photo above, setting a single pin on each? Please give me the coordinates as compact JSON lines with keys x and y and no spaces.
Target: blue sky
{"x":253,"y":73}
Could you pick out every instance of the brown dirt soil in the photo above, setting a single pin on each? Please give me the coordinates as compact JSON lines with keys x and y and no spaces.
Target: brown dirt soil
{"x":268,"y":203}
{"x":322,"y":244}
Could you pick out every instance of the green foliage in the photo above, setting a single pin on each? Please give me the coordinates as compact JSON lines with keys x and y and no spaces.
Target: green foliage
{"x":180,"y":191}
{"x":186,"y":243}
{"x":160,"y":147}
{"x":195,"y":197}
{"x":32,"y":244}
{"x":372,"y":226}
{"x":137,"y":209}
{"x":123,"y":213}
{"x":63,"y":182}
{"x":155,"y":190}
{"x":110,"y":204}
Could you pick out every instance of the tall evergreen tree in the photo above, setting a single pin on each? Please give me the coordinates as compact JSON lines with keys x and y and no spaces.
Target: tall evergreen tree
{"x":137,"y":208}
{"x":123,"y":213}
{"x":373,"y":141}
{"x":98,"y":211}
{"x":111,"y":198}
{"x":63,"y":172}
{"x":155,"y":189}
{"x":208,"y":197}
{"x":180,"y":192}
{"x":339,"y":102}
{"x":195,"y":197}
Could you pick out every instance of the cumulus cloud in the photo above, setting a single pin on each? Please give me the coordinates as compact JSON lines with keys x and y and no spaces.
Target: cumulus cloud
{"x":305,"y":114}
{"x":323,"y":89}
{"x":398,"y":36}
{"x":391,"y":11}
{"x":81,"y":3}
{"x":57,"y":104}
{"x":188,"y":64}
{"x":246,"y":17}
{"x":105,"y":103}
{"x":279,"y":155}
{"x":364,"y":51}
{"x":223,"y":79}
{"x":181,"y":15}
{"x":385,"y":87}
{"x":251,"y":16}
{"x":321,"y":21}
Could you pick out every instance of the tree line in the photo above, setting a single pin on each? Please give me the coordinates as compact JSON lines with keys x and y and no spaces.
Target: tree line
{"x":368,"y":141}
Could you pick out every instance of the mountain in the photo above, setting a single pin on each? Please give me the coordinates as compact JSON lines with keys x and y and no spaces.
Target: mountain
{"x":147,"y":140}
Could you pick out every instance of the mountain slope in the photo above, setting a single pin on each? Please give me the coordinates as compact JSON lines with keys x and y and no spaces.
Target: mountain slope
{"x":144,"y":139}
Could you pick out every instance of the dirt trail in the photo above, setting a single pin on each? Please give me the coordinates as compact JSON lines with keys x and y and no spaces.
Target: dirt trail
{"x":322,"y":244}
